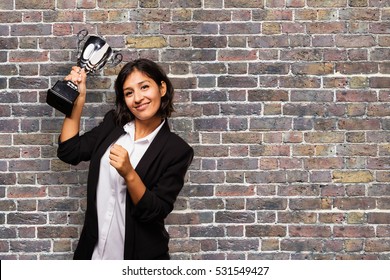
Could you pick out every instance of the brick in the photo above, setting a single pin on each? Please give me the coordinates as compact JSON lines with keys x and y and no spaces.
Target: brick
{"x":323,"y":137}
{"x":266,"y":204}
{"x":234,"y":217}
{"x":26,"y":219}
{"x":146,"y":42}
{"x":211,"y":15}
{"x":240,"y":109}
{"x":185,"y":28}
{"x":293,"y":190}
{"x":299,"y":82}
{"x":356,"y":218}
{"x":383,"y":231}
{"x":303,"y":109}
{"x":241,"y":138}
{"x":63,"y":16}
{"x":327,"y":3}
{"x":379,"y":28}
{"x":234,"y":191}
{"x":58,"y":205}
{"x":358,"y":3}
{"x":238,"y":244}
{"x":25,"y":4}
{"x":332,"y":218}
{"x":383,"y":176}
{"x":380,"y":245}
{"x":27,"y":56}
{"x":212,"y":204}
{"x":26,"y":192}
{"x":209,"y":41}
{"x":186,"y":55}
{"x":309,"y":203}
{"x":383,"y":203}
{"x":237,"y":55}
{"x":269,"y":245}
{"x":271,"y":124}
{"x":321,"y":176}
{"x":360,"y":14}
{"x":356,"y":96}
{"x":150,"y":15}
{"x":265,"y":231}
{"x":57,"y":232}
{"x":8,"y":43}
{"x":268,"y":68}
{"x":244,"y":4}
{"x":299,"y":245}
{"x":120,"y":4}
{"x":379,"y":82}
{"x":354,"y":203}
{"x":326,"y":28}
{"x":313,"y":69}
{"x":239,"y":28}
{"x":31,"y":30}
{"x":326,"y":163}
{"x":117,"y":28}
{"x":268,"y":42}
{"x":354,"y":231}
{"x":296,"y":217}
{"x":357,"y":67}
{"x":309,"y":231}
{"x":32,"y":246}
{"x":237,"y":81}
{"x":378,"y":218}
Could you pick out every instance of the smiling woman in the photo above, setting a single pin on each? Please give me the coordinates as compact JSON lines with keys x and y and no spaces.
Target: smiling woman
{"x":137,"y":165}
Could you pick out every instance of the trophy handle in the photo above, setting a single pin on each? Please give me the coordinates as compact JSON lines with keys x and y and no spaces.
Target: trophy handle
{"x":80,"y":36}
{"x":116,"y":58}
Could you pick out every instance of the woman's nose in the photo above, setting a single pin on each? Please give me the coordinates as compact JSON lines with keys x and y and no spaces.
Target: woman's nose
{"x":138,"y":96}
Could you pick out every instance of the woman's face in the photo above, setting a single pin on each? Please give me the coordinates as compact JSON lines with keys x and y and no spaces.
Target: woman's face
{"x":143,"y":95}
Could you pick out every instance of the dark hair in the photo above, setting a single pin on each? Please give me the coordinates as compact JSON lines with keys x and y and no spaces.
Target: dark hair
{"x":153,"y":71}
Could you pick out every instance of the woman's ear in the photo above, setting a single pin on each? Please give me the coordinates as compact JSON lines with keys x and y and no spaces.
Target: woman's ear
{"x":163,"y":88}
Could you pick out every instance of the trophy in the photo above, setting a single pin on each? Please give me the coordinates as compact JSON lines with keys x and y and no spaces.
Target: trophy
{"x":94,"y":55}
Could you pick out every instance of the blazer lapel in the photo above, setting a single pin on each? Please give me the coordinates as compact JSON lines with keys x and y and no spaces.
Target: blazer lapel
{"x":153,"y":150}
{"x":107,"y":141}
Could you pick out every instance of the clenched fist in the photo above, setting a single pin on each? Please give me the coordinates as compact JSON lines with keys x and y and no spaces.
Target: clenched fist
{"x":119,"y":159}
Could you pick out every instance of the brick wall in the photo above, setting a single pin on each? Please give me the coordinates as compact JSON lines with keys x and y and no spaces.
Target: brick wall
{"x":286,"y":103}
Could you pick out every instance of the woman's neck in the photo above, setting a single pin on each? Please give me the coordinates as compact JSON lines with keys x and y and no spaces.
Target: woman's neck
{"x":144,"y":128}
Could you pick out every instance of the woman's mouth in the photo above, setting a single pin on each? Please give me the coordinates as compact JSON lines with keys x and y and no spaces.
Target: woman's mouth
{"x":142,"y":107}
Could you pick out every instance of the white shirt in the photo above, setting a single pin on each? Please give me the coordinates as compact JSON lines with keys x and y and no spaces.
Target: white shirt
{"x":111,"y":196}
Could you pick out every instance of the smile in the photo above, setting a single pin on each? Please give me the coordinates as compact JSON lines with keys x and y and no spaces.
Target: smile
{"x":142,"y":106}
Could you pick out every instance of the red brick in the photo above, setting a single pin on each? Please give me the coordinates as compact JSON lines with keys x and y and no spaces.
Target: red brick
{"x":326,"y":28}
{"x":378,"y":218}
{"x":354,"y":231}
{"x":380,"y":82}
{"x":309,"y":231}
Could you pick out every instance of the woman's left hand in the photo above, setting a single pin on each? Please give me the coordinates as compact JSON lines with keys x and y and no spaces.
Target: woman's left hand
{"x":119,"y":159}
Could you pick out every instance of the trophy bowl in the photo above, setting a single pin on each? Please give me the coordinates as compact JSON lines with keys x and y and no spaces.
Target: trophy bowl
{"x":93,"y":57}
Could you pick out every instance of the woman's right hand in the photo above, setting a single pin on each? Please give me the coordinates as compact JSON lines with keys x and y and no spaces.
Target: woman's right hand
{"x":71,"y":125}
{"x":78,"y":76}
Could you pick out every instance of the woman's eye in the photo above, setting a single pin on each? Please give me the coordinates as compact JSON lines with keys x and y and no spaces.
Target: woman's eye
{"x":145,"y":87}
{"x":128,"y":93}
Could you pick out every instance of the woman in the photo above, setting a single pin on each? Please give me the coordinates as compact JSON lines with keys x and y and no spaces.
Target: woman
{"x":137,"y":166}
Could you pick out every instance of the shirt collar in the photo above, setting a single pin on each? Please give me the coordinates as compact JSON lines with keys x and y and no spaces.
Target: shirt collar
{"x":130,"y":129}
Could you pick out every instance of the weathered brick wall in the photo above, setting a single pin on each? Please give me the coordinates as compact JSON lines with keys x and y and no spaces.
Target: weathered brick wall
{"x":286,"y":103}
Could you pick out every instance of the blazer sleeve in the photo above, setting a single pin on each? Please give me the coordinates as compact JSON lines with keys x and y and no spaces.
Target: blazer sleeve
{"x":80,"y":147}
{"x":159,"y":201}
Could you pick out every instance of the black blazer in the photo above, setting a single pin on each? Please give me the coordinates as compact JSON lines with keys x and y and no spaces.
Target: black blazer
{"x":162,"y":170}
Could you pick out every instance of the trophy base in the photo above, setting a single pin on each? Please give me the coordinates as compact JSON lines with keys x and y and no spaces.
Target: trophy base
{"x":62,"y":96}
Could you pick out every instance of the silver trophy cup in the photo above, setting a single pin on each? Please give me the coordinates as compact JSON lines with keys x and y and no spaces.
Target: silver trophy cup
{"x":94,"y":55}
